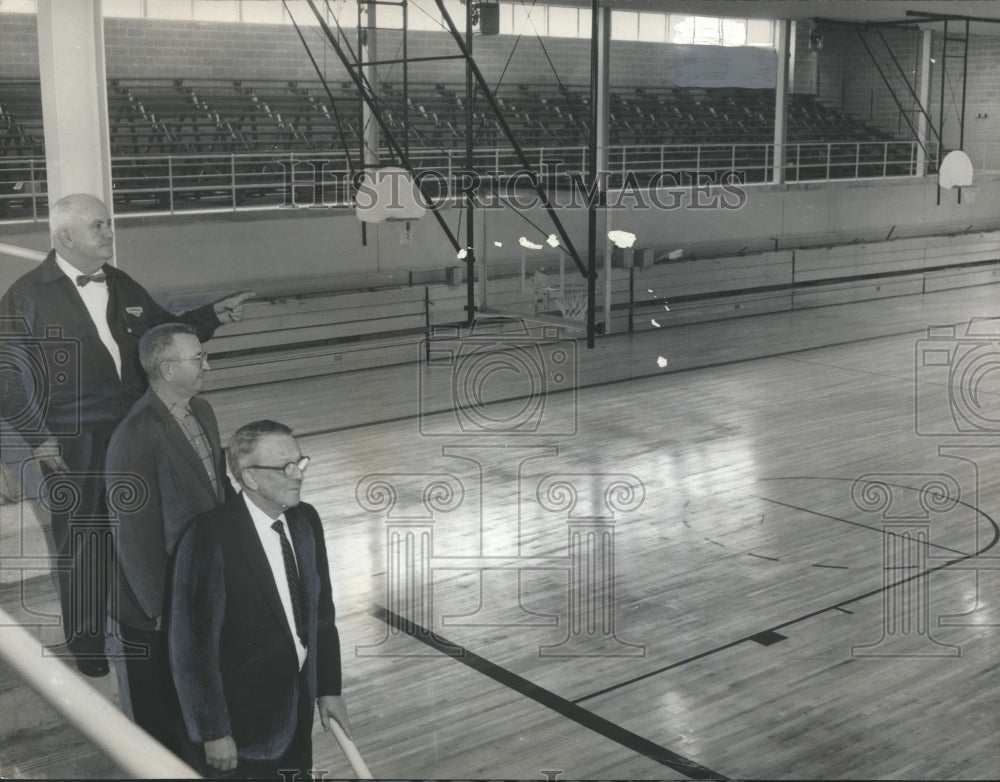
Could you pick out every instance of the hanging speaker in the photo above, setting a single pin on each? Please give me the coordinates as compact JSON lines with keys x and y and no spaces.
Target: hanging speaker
{"x":489,"y":18}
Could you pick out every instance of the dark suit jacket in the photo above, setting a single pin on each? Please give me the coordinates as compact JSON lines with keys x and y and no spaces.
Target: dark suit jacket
{"x":231,"y":650}
{"x":151,"y":445}
{"x":55,"y":331}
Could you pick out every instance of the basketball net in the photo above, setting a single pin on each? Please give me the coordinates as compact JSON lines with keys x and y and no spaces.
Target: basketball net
{"x":572,"y":304}
{"x":570,"y":300}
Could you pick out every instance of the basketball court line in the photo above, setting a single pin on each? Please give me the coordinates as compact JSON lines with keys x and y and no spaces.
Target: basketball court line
{"x":544,"y":697}
{"x":822,"y":515}
{"x":836,"y":607}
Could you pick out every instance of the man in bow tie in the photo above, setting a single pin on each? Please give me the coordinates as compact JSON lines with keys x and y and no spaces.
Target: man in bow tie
{"x":71,"y":374}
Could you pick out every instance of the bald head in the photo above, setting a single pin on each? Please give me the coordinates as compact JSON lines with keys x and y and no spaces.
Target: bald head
{"x":81,"y":231}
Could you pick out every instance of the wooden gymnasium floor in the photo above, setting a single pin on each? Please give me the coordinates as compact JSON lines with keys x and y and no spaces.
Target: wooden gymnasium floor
{"x":756,"y":614}
{"x":753,"y":630}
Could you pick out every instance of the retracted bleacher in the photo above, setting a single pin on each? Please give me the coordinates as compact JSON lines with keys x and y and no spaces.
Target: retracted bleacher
{"x":283,"y":337}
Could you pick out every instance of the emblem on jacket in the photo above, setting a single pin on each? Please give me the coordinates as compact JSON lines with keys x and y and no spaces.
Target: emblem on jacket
{"x":135,"y":312}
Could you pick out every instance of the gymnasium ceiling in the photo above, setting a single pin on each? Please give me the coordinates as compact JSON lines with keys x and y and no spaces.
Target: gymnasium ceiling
{"x":846,"y":10}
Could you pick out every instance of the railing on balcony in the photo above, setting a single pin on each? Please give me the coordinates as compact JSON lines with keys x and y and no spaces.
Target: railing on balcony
{"x":228,"y":182}
{"x":101,"y":722}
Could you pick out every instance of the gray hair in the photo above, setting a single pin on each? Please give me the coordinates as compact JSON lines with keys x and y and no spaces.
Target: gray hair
{"x":245,"y":440}
{"x":64,"y":211}
{"x":156,"y":342}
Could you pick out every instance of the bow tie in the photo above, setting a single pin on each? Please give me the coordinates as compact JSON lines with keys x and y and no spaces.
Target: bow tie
{"x":83,"y":279}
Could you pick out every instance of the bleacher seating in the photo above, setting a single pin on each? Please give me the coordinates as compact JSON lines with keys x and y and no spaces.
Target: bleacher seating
{"x":286,"y":336}
{"x":20,"y":119}
{"x":162,"y":116}
{"x":203,"y":122}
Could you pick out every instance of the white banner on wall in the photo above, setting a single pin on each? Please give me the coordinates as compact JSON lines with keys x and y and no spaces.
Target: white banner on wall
{"x":724,"y":66}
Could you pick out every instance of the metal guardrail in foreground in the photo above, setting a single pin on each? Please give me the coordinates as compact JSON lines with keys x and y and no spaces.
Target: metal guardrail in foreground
{"x":350,"y":752}
{"x":135,"y":751}
{"x":21,"y":252}
{"x":128,"y":745}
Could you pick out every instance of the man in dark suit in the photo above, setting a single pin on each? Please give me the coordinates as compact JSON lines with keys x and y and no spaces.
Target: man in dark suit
{"x":169,"y":443}
{"x":253,"y":642}
{"x":70,"y":375}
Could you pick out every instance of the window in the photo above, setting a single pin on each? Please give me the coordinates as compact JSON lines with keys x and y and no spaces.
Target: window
{"x":653,"y":27}
{"x":529,"y":21}
{"x":342,"y":12}
{"x":168,"y":9}
{"x":760,"y":32}
{"x":19,"y":7}
{"x":423,"y":15}
{"x":455,"y":9}
{"x":681,"y":29}
{"x":129,"y":9}
{"x":506,"y":19}
{"x":707,"y":30}
{"x":389,"y":17}
{"x":734,"y":32}
{"x":517,"y":17}
{"x":218,"y":11}
{"x":565,"y":22}
{"x":300,"y":11}
{"x":625,"y":25}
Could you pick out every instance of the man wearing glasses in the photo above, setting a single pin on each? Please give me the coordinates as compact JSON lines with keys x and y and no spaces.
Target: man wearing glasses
{"x":253,"y":641}
{"x":169,"y":445}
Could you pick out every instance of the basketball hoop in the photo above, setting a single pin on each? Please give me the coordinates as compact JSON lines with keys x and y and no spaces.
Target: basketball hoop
{"x":557,"y":301}
{"x":571,"y":302}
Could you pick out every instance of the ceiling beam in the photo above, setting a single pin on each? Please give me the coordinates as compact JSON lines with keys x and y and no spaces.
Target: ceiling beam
{"x":932,"y":17}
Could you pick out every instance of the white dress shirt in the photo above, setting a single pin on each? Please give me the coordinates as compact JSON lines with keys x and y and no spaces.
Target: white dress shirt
{"x":271,"y":542}
{"x":95,"y":299}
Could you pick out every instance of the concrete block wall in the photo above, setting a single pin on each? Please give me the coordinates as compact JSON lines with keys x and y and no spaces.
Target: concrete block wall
{"x":981,"y":134}
{"x":806,"y":73}
{"x":157,"y":48}
{"x":847,"y":78}
{"x":18,"y":46}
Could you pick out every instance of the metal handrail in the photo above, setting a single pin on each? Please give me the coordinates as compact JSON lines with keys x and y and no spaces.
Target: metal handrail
{"x":231,"y":181}
{"x":21,"y":252}
{"x":135,"y":751}
{"x":350,"y":752}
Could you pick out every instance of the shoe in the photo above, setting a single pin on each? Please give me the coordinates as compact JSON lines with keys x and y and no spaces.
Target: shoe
{"x":94,"y":667}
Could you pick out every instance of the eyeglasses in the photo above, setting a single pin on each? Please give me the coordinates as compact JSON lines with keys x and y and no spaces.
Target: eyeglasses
{"x":199,"y":358}
{"x":288,"y":469}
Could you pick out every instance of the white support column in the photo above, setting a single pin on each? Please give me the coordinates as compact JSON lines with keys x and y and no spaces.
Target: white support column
{"x":74,"y":98}
{"x":603,"y":87}
{"x":925,"y":102}
{"x":781,"y":100}
{"x":792,"y":47}
{"x":369,"y":52}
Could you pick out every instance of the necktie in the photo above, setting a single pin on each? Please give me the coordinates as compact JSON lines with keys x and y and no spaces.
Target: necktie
{"x":196,"y":436}
{"x":294,"y":585}
{"x":83,"y":279}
